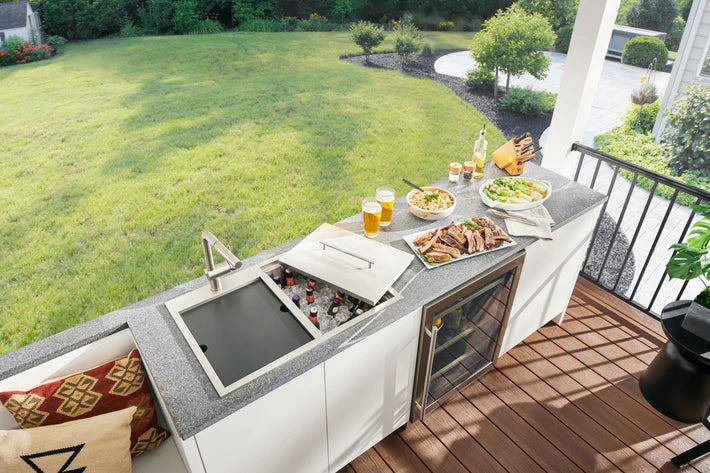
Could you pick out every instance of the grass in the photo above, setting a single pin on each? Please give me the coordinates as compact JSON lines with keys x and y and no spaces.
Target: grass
{"x":117,"y":153}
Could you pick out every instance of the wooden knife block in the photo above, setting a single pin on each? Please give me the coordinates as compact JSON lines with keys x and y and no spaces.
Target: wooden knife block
{"x":506,"y":158}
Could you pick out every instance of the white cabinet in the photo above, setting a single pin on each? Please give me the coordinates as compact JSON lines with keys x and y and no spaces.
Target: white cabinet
{"x":548,"y":277}
{"x":283,"y":431}
{"x":369,"y":389}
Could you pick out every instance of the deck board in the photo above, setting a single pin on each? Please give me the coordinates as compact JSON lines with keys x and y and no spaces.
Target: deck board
{"x":566,"y":399}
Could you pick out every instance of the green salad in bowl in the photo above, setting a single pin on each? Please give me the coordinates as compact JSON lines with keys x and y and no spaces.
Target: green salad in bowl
{"x":514,"y":193}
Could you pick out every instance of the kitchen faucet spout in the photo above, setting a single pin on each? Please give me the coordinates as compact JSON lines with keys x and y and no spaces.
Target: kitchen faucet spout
{"x":213,"y":273}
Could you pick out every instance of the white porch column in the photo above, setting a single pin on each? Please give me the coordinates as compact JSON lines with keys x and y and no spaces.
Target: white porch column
{"x":583,"y":68}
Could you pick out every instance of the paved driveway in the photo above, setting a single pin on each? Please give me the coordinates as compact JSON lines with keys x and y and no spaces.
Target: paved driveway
{"x":610,"y":102}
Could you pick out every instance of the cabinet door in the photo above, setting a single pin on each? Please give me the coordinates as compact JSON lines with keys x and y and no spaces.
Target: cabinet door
{"x":548,"y":277}
{"x":283,"y":431}
{"x":369,"y":389}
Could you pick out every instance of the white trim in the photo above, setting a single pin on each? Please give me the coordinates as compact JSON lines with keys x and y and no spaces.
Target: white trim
{"x":676,"y":79}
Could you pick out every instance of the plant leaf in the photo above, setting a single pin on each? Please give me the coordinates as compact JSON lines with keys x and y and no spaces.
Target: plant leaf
{"x":699,"y":236}
{"x":687,"y":263}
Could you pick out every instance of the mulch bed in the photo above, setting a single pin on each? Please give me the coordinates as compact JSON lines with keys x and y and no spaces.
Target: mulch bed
{"x":511,"y":124}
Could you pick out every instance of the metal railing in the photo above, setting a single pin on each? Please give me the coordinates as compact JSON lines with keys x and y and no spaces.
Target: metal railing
{"x":640,"y":291}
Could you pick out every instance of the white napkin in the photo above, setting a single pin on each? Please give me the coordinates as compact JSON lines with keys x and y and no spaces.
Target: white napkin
{"x":543,"y":223}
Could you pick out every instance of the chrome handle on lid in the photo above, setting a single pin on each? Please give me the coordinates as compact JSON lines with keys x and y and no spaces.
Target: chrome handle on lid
{"x":347,"y":252}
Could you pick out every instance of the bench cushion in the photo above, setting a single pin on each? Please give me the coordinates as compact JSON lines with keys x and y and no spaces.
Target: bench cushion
{"x":99,"y":443}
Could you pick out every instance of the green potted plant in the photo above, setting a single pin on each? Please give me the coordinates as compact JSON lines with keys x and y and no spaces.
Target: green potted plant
{"x":691,"y":261}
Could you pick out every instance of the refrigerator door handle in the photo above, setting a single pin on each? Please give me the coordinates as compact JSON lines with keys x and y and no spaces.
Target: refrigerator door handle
{"x":433,"y":333}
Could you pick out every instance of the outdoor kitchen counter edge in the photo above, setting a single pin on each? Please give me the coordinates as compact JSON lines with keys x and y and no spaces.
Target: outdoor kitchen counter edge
{"x":189,"y":395}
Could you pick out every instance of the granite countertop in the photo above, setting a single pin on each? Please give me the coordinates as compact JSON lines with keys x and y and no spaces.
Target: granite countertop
{"x":189,"y":395}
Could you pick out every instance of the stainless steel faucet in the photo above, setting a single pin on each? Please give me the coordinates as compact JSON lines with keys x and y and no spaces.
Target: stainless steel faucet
{"x":229,"y":264}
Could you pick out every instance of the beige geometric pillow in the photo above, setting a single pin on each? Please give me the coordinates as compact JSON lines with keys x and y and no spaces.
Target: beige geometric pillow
{"x":95,"y":444}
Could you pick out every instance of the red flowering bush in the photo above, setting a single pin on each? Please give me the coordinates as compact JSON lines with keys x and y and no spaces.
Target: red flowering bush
{"x":24,"y":53}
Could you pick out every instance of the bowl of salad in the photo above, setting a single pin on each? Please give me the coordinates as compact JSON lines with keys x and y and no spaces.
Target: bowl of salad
{"x":514,"y":193}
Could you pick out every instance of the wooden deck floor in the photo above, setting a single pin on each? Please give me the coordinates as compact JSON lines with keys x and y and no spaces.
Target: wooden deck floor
{"x":566,"y":400}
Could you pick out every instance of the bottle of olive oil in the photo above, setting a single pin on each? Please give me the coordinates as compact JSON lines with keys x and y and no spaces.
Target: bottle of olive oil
{"x":479,"y":154}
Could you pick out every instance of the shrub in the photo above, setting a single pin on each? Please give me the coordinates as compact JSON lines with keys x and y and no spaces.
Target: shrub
{"x":342,"y":10}
{"x":407,"y":41}
{"x":684,"y":7}
{"x":11,"y":43}
{"x":315,"y":22}
{"x":367,"y":35}
{"x":246,"y":10}
{"x":480,"y":78}
{"x":467,"y":24}
{"x":260,"y":25}
{"x":626,"y":6}
{"x":68,"y":18}
{"x":287,"y":23}
{"x":675,"y":34}
{"x":529,"y":102}
{"x":55,"y":41}
{"x":24,"y":53}
{"x":641,"y":118}
{"x":512,"y":42}
{"x":642,"y":50}
{"x":185,"y":16}
{"x":654,"y":15}
{"x":106,"y":17}
{"x":129,"y":30}
{"x":643,"y":150}
{"x":207,"y":27}
{"x":445,"y":26}
{"x":564,"y":35}
{"x":157,"y":16}
{"x":34,"y":37}
{"x":558,"y":12}
{"x":689,"y":138}
{"x":426,"y":50}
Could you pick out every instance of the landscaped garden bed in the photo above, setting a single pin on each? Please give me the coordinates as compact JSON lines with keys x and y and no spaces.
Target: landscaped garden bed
{"x":510,"y":123}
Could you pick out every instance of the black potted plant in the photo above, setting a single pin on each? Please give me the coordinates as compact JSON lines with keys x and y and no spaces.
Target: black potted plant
{"x":691,"y":261}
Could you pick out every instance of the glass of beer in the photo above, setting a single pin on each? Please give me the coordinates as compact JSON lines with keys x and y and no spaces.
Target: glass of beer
{"x":385,"y":196}
{"x":371,"y":214}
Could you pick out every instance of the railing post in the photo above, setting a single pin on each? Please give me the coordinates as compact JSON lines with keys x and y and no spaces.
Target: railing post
{"x":583,"y":67}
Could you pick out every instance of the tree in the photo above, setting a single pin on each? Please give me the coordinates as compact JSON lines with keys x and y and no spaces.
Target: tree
{"x":512,"y":42}
{"x":657,"y":15}
{"x":558,"y":12}
{"x":367,"y":35}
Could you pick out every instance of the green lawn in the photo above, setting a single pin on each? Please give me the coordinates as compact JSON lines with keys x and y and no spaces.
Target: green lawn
{"x":117,"y":153}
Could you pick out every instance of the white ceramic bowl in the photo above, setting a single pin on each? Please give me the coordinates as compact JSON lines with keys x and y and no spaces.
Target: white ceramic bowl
{"x":503,"y":206}
{"x":430,"y":214}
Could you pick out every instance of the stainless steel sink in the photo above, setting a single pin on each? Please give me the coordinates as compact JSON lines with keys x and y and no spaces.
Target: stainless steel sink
{"x":243,"y":330}
{"x":250,"y":325}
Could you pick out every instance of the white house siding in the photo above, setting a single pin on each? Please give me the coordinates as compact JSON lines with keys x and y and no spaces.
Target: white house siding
{"x":21,"y":32}
{"x":690,"y":60}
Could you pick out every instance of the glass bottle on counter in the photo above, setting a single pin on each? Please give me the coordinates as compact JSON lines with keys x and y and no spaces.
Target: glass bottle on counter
{"x":468,"y":169}
{"x":454,"y":172}
{"x":479,"y":154}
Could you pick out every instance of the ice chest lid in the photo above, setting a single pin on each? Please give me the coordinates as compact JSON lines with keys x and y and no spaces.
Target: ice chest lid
{"x":358,"y":266}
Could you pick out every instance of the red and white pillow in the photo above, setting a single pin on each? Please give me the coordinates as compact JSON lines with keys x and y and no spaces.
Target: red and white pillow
{"x":110,"y":387}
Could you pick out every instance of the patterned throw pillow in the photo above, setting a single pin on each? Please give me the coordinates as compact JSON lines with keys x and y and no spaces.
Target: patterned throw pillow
{"x":110,"y":387}
{"x":98,"y":444}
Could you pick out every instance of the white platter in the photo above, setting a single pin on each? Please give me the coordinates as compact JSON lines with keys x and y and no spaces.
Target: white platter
{"x":409,"y":239}
{"x":503,"y":206}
